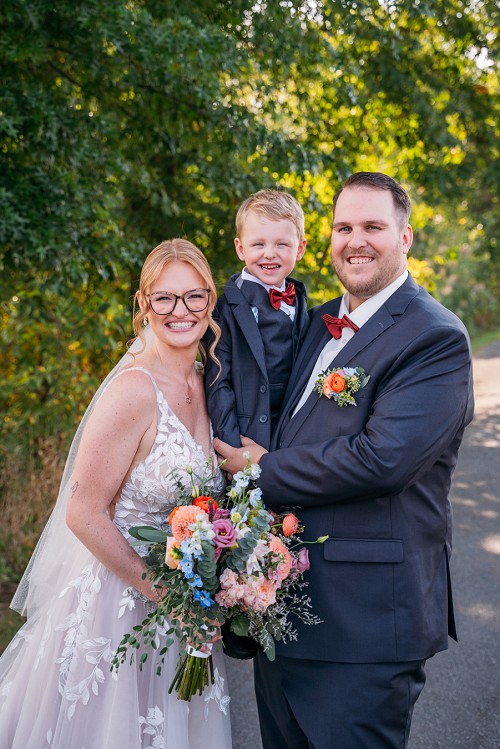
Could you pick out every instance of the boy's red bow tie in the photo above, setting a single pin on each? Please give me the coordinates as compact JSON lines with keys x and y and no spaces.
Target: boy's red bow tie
{"x":288,"y":296}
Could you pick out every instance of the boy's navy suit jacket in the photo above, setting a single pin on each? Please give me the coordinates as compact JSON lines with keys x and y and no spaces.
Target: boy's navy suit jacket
{"x":238,"y":400}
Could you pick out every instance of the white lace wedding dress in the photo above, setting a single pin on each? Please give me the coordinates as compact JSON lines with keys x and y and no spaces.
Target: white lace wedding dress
{"x":56,"y":687}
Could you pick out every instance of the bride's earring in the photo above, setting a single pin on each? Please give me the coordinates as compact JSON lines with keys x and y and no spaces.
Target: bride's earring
{"x":146,"y":321}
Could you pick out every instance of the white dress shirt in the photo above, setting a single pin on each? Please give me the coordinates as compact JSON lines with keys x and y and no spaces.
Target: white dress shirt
{"x":286,"y":308}
{"x":359,"y":317}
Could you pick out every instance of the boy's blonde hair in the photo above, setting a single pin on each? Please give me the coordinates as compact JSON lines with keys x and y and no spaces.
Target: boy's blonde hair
{"x":275,"y":205}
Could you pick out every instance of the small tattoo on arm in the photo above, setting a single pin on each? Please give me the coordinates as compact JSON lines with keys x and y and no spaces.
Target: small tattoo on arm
{"x":74,"y":488}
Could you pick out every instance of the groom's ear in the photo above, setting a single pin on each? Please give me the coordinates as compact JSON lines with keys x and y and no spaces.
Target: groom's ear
{"x":407,"y":239}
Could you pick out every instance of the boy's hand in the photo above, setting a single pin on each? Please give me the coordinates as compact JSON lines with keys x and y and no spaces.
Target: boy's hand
{"x":235,"y":457}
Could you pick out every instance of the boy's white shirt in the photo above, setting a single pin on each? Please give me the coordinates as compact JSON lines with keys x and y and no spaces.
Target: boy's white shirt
{"x":286,"y":308}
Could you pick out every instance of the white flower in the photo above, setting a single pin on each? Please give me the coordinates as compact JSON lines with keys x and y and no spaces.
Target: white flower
{"x":240,"y":480}
{"x":256,"y":558}
{"x":254,"y":471}
{"x":255,"y":497}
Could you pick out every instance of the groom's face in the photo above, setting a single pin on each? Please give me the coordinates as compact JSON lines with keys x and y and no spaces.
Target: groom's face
{"x":369,"y":242}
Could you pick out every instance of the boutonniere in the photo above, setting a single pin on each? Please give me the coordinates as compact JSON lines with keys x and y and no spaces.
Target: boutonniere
{"x":341,"y":384}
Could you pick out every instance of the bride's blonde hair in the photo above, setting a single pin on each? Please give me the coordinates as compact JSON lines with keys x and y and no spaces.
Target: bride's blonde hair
{"x":172,"y":251}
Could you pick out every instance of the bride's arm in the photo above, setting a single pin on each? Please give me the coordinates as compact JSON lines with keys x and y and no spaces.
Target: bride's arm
{"x":120,"y":431}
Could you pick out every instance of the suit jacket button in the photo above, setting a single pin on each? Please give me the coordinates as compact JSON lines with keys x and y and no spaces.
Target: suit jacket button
{"x":263,"y":389}
{"x":263,"y":418}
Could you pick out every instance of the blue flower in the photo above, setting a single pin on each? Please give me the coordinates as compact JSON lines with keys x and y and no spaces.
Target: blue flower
{"x":186,"y":566}
{"x":204,"y":598}
{"x":195,"y":581}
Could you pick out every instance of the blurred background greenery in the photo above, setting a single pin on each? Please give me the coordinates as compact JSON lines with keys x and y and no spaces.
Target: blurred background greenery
{"x":126,"y":123}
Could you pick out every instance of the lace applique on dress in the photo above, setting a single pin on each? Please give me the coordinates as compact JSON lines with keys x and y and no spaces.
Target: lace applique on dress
{"x":75,"y":697}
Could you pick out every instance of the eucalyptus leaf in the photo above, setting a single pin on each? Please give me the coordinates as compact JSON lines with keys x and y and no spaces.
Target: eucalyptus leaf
{"x":146,"y":533}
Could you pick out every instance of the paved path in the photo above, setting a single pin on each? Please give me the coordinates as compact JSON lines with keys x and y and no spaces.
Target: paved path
{"x":460,"y":705}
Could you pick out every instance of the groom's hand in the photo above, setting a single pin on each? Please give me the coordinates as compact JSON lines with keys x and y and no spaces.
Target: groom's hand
{"x":235,"y":457}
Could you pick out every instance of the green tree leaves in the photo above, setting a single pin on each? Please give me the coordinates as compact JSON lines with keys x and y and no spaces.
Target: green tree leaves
{"x":122,"y":124}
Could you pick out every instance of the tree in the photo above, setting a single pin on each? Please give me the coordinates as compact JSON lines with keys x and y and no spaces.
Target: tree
{"x":125,"y":123}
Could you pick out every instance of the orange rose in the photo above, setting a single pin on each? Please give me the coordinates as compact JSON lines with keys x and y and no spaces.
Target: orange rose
{"x":290,"y":524}
{"x":206,"y":503}
{"x":333,"y":383}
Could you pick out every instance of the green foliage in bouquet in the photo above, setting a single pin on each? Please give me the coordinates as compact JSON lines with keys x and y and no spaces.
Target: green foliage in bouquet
{"x":247,"y":544}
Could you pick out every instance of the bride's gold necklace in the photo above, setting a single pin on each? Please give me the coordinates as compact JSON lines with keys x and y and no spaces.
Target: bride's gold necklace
{"x":189,"y":392}
{"x":188,"y":397}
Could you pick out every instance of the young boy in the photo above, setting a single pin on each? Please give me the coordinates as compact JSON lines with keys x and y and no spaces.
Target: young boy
{"x":263,"y":317}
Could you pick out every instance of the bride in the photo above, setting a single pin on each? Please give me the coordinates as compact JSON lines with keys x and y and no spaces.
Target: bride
{"x":84,"y":586}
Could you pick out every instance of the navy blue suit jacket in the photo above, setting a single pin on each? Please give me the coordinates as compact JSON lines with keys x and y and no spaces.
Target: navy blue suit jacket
{"x":375,"y":477}
{"x":238,"y":400}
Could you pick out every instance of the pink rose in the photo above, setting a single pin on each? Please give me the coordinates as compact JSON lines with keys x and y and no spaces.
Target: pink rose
{"x":225,"y":533}
{"x":303,"y":560}
{"x":221,"y":514}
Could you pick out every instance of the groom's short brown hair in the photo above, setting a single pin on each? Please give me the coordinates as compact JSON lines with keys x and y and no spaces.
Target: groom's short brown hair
{"x":380,"y":181}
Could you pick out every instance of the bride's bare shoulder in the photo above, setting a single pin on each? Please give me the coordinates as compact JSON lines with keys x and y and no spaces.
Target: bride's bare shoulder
{"x":132,"y":388}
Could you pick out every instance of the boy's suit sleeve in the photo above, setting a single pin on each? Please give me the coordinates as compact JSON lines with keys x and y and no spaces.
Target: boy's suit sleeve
{"x":221,"y":400}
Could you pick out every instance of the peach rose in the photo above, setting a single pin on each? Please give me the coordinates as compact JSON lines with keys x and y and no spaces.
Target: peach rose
{"x":171,"y":560}
{"x":181,"y":519}
{"x":285,"y":564}
{"x":261,"y":595}
{"x":333,"y":383}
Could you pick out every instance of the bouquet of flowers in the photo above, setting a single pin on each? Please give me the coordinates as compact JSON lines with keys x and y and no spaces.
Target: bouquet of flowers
{"x":228,"y":560}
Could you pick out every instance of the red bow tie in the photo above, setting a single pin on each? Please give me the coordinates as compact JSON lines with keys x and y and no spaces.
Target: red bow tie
{"x":335,"y":324}
{"x":288,"y":296}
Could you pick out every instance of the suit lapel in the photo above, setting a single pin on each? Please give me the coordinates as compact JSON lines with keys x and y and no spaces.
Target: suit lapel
{"x":316,"y":338}
{"x":246,"y":321}
{"x":301,"y":316}
{"x":314,"y":342}
{"x":369,"y":332}
{"x":381,"y":321}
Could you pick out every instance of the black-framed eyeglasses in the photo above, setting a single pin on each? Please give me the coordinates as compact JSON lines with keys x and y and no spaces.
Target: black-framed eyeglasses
{"x":163,"y":302}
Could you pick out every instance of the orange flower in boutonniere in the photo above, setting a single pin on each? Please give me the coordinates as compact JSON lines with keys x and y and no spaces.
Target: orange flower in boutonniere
{"x":341,"y":384}
{"x":333,"y":383}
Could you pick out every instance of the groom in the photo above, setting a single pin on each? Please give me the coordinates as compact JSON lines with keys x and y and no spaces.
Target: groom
{"x":375,"y":477}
